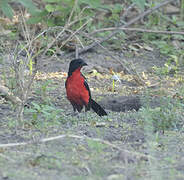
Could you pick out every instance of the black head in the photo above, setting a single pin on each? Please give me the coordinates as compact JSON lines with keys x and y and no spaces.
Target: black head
{"x":75,"y":64}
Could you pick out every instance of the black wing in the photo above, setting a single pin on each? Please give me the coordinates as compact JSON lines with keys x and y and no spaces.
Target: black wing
{"x":92,"y":104}
{"x":86,"y":85}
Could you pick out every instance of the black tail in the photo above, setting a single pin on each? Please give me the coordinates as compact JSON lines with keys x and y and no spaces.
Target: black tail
{"x":97,"y":108}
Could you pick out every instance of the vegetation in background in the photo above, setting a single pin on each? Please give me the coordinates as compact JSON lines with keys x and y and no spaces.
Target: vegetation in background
{"x":147,"y":144}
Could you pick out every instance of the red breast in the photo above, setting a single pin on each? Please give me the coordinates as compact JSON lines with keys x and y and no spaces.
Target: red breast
{"x":75,"y":89}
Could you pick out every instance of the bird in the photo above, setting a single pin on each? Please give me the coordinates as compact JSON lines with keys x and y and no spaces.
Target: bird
{"x":77,"y":89}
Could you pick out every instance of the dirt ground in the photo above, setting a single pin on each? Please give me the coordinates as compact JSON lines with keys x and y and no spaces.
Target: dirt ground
{"x":114,"y":147}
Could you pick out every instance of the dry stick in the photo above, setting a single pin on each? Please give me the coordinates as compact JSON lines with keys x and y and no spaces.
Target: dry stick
{"x":25,"y":28}
{"x":71,"y":14}
{"x":127,"y":10}
{"x":66,"y":26}
{"x":123,"y":63}
{"x":7,"y":158}
{"x":39,"y":35}
{"x":137,"y":154}
{"x":64,"y":29}
{"x":50,"y":44}
{"x":125,"y":68}
{"x":136,"y":30}
{"x":149,"y":11}
{"x":20,"y":109}
{"x":25,"y":87}
{"x":137,"y":78}
{"x":168,"y":20}
{"x":75,"y":32}
{"x":78,"y":40}
{"x":76,"y":51}
{"x":69,"y":19}
{"x":51,"y":28}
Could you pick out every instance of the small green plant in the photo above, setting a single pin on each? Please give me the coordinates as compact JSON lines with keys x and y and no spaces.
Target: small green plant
{"x":170,"y":67}
{"x":166,"y":117}
{"x":49,"y":162}
{"x":140,"y":3}
{"x":45,"y":112}
{"x":182,"y":9}
{"x":64,"y":9}
{"x":95,"y":146}
{"x":115,"y":9}
{"x":61,"y":12}
{"x":43,"y":89}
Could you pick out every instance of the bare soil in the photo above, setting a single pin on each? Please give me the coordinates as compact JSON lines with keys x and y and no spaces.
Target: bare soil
{"x":123,"y":151}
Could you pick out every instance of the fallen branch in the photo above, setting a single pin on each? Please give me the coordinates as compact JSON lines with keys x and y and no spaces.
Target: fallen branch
{"x":149,"y":11}
{"x":75,"y":32}
{"x":7,"y":158}
{"x":136,"y":30}
{"x":127,"y":68}
{"x":5,"y":92}
{"x":137,"y":154}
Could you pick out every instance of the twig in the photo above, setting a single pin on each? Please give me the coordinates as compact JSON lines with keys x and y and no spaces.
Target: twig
{"x":136,"y":30}
{"x":126,"y":12}
{"x":23,"y":80}
{"x":69,"y":24}
{"x":149,"y":11}
{"x":13,"y":144}
{"x":7,"y":158}
{"x":137,"y":154}
{"x":24,"y":85}
{"x":49,"y":29}
{"x":168,"y":19}
{"x":72,"y":11}
{"x":76,"y":51}
{"x":75,"y":32}
{"x":123,"y":63}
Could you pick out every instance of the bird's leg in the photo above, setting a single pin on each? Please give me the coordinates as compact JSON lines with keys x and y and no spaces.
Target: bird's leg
{"x":74,"y":113}
{"x":83,"y":115}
